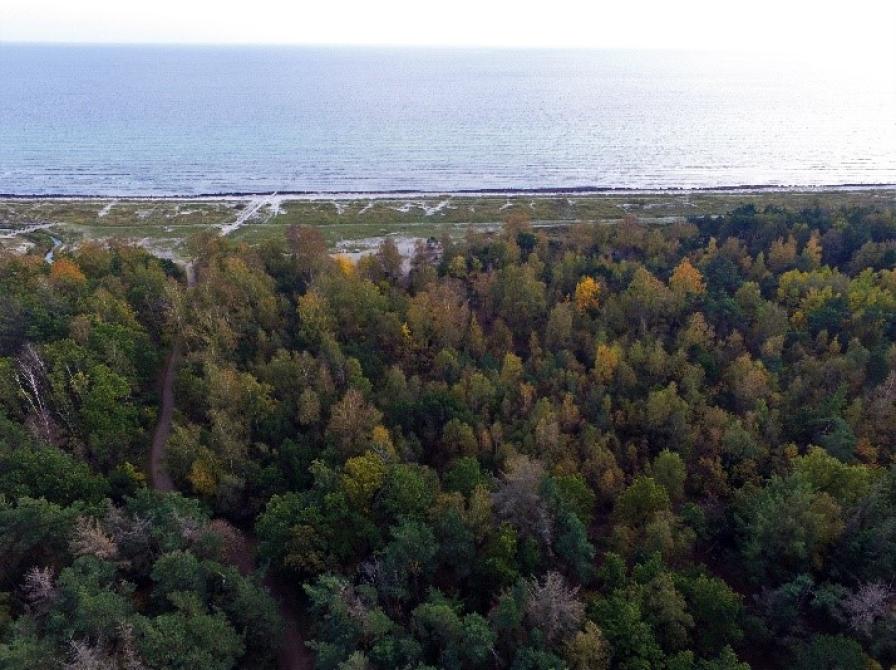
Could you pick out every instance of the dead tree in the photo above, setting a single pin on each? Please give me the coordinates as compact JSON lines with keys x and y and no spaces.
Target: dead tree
{"x":31,"y":376}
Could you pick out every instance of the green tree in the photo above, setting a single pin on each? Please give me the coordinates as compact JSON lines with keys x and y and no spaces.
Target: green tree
{"x":408,"y":491}
{"x":50,"y":473}
{"x":717,"y":611}
{"x":351,"y":425}
{"x":631,"y":638}
{"x":670,"y":472}
{"x":463,"y":475}
{"x":408,"y":560}
{"x":831,"y":652}
{"x":189,"y":637}
{"x":640,"y":501}
{"x":33,"y":532}
{"x":178,"y":571}
{"x":789,"y":527}
{"x":573,"y":547}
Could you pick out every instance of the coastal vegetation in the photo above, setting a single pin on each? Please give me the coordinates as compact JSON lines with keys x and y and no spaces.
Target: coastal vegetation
{"x":630,"y":446}
{"x":163,"y":225}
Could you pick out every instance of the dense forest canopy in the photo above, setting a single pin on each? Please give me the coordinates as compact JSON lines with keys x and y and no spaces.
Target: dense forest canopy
{"x":601,"y":446}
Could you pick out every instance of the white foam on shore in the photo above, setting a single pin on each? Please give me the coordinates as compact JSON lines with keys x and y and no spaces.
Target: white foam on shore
{"x":510,"y":194}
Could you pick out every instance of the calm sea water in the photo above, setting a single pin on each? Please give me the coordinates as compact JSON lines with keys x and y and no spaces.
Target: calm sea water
{"x":190,"y":120}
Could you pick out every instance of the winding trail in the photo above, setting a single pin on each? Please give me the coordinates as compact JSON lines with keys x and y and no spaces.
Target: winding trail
{"x":293,"y":654}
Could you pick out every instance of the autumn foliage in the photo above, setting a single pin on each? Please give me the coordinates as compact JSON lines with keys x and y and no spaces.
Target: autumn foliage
{"x":66,"y":272}
{"x":587,"y":295}
{"x":609,"y":447}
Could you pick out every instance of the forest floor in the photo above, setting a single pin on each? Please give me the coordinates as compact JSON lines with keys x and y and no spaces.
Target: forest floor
{"x":353,"y":224}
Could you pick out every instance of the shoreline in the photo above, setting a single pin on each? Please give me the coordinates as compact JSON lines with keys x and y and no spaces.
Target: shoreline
{"x":580,"y":191}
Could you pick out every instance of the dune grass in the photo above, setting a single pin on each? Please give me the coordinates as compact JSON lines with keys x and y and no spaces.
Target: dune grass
{"x":164,"y":225}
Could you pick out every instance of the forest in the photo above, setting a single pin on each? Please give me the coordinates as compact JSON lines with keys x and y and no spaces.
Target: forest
{"x":591,"y":447}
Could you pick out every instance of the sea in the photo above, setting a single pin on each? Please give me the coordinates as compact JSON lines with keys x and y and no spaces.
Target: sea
{"x":193,"y":120}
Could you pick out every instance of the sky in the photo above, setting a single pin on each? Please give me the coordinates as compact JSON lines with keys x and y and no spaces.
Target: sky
{"x":858,"y":28}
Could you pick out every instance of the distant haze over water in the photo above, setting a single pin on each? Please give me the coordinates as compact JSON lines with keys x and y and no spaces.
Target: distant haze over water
{"x":162,"y":120}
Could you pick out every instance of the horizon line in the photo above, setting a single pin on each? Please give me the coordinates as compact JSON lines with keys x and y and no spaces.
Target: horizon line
{"x":412,"y":45}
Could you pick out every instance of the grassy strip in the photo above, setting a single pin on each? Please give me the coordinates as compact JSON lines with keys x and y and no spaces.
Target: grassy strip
{"x":166,"y":224}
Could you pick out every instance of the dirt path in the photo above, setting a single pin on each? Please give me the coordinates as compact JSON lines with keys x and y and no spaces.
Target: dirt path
{"x":253,"y":207}
{"x":293,"y":654}
{"x":161,"y":480}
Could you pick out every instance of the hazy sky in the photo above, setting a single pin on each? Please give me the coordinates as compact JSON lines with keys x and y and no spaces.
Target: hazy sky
{"x":818,"y":26}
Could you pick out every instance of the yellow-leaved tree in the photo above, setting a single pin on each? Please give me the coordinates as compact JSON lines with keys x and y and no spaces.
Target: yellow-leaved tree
{"x":587,"y":295}
{"x":362,"y":477}
{"x":345,"y":264}
{"x":65,"y":272}
{"x":606,"y":361}
{"x":203,"y":474}
{"x":686,"y":280}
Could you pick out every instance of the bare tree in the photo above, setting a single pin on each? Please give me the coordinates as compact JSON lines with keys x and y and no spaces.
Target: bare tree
{"x":31,"y":376}
{"x":39,"y":589}
{"x":518,"y":498}
{"x":130,"y":658}
{"x":85,"y":656}
{"x":131,"y":534}
{"x":867,"y":604}
{"x":191,"y":530}
{"x":553,"y":606}
{"x":90,"y":539}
